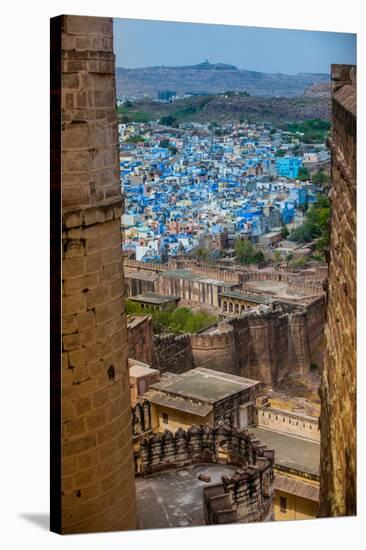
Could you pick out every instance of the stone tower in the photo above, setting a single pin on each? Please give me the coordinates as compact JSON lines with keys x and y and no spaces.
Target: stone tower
{"x":338,"y":389}
{"x":97,"y":471}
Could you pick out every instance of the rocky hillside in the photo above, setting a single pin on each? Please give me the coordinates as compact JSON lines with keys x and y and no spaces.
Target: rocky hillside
{"x":223,"y":109}
{"x":207,"y":78}
{"x":318,"y":90}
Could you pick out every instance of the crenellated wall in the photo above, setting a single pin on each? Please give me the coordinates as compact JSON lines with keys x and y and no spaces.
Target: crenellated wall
{"x":264,"y":345}
{"x":246,"y":496}
{"x":173,"y":353}
{"x":216,"y":350}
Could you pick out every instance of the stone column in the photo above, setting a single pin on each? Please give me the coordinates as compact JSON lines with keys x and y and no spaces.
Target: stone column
{"x":98,"y":491}
{"x":338,"y":388}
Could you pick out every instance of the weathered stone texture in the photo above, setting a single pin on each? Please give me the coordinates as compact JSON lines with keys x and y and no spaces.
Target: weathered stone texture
{"x":265,"y":346}
{"x":98,"y":491}
{"x":246,"y":496}
{"x":173,"y":353}
{"x":338,"y":389}
{"x":140,"y":338}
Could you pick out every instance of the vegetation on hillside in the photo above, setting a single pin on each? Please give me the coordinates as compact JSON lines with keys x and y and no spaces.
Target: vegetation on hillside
{"x":246,"y":253}
{"x":233,"y":107}
{"x":179,"y":321}
{"x":315,"y":226}
{"x":313,"y":130}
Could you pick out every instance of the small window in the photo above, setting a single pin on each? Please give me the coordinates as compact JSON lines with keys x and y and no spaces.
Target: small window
{"x":289,"y":420}
{"x":262,"y":413}
{"x":297,"y":423}
{"x":165,"y":418}
{"x":276,"y":417}
{"x":283,"y":504}
{"x":310,"y":426}
{"x":269,"y":415}
{"x":283,"y":420}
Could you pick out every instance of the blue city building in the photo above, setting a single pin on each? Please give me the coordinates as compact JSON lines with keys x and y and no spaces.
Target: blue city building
{"x":288,"y":167}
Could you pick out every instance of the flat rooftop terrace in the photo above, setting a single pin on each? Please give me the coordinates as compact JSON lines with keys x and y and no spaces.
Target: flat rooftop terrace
{"x":291,"y":451}
{"x":275,"y":288}
{"x":140,"y":275}
{"x":204,"y":385}
{"x":154,"y":298}
{"x":174,"y":498}
{"x":190,"y":275}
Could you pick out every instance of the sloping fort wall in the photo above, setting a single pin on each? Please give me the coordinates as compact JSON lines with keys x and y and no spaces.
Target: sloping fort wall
{"x":265,"y":346}
{"x":338,"y":388}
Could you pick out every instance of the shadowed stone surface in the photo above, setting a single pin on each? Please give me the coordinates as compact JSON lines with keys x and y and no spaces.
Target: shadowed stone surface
{"x":175,"y":498}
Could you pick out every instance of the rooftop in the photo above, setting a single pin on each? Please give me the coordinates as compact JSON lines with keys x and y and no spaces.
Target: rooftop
{"x":140,"y":274}
{"x":138,"y":369}
{"x":179,"y":403}
{"x":204,"y":385}
{"x":291,"y":451}
{"x":248,"y":297}
{"x":189,"y":275}
{"x":154,"y":298}
{"x":296,"y":487}
{"x":133,"y":321}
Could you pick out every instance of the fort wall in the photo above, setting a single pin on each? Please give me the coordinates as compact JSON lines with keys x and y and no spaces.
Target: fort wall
{"x":98,"y":492}
{"x":287,"y":422}
{"x":215,"y":351}
{"x":173,"y":353}
{"x":263,"y":345}
{"x":140,"y":338}
{"x":338,"y":387}
{"x":247,"y":495}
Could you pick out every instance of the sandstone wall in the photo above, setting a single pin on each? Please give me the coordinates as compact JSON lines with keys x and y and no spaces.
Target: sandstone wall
{"x":247,"y":495}
{"x":140,"y":338}
{"x":287,"y":422}
{"x":265,"y":346}
{"x":98,"y":492}
{"x":338,"y":388}
{"x":173,"y":353}
{"x":215,"y":351}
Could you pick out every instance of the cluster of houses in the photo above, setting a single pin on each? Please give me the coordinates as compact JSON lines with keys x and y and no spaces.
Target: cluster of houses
{"x":199,"y":187}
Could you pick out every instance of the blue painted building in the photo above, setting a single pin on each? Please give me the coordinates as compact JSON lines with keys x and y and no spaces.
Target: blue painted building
{"x":288,"y":167}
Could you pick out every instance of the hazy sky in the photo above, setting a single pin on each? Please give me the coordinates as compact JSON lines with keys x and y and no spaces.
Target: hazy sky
{"x":139,"y":43}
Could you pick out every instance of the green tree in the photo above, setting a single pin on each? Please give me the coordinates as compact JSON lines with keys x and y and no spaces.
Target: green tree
{"x":135,"y":139}
{"x":277,"y":257}
{"x":164,"y":143}
{"x":320,"y":177}
{"x":284,"y":231}
{"x":304,"y":174}
{"x":315,"y":226}
{"x":168,"y":120}
{"x":246,"y":253}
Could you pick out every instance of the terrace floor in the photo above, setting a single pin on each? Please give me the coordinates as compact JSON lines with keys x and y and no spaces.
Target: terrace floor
{"x":174,"y":498}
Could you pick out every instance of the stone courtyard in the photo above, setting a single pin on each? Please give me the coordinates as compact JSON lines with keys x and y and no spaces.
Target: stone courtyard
{"x":174,"y":498}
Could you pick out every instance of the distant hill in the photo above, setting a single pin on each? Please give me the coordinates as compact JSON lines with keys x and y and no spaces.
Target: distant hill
{"x":212,"y":78}
{"x":318,"y":90}
{"x":222,"y":109}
